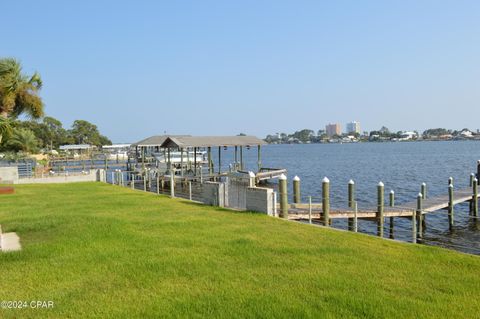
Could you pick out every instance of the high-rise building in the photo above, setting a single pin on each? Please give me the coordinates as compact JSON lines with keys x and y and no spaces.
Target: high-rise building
{"x":353,"y":127}
{"x":333,"y":129}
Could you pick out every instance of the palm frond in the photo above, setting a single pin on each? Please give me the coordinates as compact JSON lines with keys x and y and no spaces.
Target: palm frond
{"x":19,"y":93}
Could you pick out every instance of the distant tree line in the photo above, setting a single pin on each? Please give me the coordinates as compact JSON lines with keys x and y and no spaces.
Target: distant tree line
{"x":310,"y":136}
{"x":48,"y":134}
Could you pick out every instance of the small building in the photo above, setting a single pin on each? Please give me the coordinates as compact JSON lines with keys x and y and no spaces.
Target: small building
{"x":408,"y":135}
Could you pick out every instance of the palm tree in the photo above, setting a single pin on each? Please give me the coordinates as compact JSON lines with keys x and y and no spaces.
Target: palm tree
{"x":19,"y":92}
{"x":23,"y":140}
{"x":5,"y":128}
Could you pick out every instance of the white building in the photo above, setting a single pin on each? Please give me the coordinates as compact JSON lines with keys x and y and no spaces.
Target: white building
{"x":408,"y":135}
{"x":353,"y":127}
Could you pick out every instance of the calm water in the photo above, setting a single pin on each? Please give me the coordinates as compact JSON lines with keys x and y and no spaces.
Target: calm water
{"x":401,"y":166}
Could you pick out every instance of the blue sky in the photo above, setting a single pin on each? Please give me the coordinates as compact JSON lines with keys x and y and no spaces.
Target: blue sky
{"x":140,"y":68}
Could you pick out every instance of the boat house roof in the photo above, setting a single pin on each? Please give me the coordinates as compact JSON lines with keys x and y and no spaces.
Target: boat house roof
{"x":209,"y":141}
{"x":156,"y":140}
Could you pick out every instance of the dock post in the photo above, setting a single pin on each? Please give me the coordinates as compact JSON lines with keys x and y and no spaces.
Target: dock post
{"x":475,"y":197}
{"x":351,"y":199}
{"x":450,"y":181}
{"x":144,"y":182}
{"x":172,"y":183}
{"x":259,"y":157}
{"x":392,"y":204}
{"x":478,"y":172}
{"x":326,"y":201}
{"x":450,"y":206}
{"x":241,"y":157}
{"x":252,"y":179}
{"x":282,"y":186}
{"x":355,"y":219}
{"x":181,"y":162}
{"x":420,"y":215}
{"x":236,"y":157}
{"x":470,"y":206}
{"x":380,"y":208}
{"x":195,"y":161}
{"x":219,"y":160}
{"x":351,"y":193}
{"x":210,"y":166}
{"x":309,"y":209}
{"x":296,"y":190}
{"x":424,"y":191}
{"x":158,"y":184}
{"x":190,"y":190}
{"x":414,"y":226}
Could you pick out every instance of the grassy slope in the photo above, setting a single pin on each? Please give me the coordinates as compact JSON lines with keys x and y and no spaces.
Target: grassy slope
{"x":102,"y":251}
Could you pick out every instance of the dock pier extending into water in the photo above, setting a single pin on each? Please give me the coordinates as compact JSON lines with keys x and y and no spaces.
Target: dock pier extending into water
{"x":416,"y":210}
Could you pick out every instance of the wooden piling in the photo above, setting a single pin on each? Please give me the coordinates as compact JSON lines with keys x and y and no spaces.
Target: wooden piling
{"x":158,"y":184}
{"x":190,"y":190}
{"x":132,"y":181}
{"x":282,"y":186}
{"x":472,"y":177}
{"x":210,"y":163}
{"x":309,"y":209}
{"x":351,"y":193}
{"x":450,"y":206}
{"x":392,"y":204}
{"x":351,"y":199}
{"x":419,"y":215}
{"x":380,"y":209}
{"x":296,"y":190}
{"x":475,"y":198}
{"x":424,"y":191}
{"x":355,"y":219}
{"x":172,"y":183}
{"x":326,"y":201}
{"x":478,"y":172}
{"x":259,"y":157}
{"x":414,"y":226}
{"x":241,"y":157}
{"x":144,"y":182}
{"x":219,"y":160}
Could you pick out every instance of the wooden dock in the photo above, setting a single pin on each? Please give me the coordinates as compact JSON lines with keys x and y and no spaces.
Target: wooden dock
{"x":429,"y":205}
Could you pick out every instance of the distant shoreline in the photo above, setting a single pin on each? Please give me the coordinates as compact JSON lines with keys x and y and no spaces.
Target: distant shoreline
{"x":386,"y":141}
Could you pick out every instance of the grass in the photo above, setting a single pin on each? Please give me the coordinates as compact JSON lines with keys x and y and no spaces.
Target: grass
{"x":100,"y":251}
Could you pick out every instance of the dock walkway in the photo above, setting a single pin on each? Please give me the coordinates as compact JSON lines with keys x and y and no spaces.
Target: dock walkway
{"x":429,"y":205}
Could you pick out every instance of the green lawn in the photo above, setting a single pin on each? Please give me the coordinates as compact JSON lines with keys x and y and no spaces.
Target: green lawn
{"x":101,"y":251}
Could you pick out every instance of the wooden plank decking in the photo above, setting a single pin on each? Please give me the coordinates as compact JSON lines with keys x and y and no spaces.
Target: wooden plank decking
{"x":429,"y":205}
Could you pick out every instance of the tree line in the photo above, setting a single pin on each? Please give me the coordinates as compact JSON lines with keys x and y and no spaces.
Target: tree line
{"x":310,"y":136}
